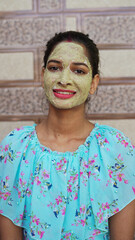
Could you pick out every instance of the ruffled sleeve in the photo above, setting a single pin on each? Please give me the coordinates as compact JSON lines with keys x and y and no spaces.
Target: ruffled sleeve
{"x":115,"y":186}
{"x":15,"y":170}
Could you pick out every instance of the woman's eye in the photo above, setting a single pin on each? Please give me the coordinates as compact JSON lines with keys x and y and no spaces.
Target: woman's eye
{"x":79,"y":71}
{"x":53,"y":68}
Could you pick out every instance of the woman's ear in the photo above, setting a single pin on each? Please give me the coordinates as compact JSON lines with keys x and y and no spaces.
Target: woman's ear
{"x":94,"y":84}
{"x":42,"y":77}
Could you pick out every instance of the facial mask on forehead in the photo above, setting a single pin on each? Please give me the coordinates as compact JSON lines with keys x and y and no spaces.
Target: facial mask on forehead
{"x":71,"y":52}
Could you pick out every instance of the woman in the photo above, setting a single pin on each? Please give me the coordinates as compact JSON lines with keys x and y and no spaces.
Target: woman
{"x":67,"y":178}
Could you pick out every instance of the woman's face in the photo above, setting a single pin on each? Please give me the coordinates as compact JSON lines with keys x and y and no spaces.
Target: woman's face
{"x":68,"y":76}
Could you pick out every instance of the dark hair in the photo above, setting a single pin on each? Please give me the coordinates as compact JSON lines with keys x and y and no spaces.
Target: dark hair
{"x":78,"y":37}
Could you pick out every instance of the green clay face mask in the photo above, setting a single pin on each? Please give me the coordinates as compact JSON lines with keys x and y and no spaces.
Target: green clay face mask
{"x":68,"y":76}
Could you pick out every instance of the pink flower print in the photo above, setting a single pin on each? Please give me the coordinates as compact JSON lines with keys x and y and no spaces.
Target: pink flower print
{"x":64,"y":159}
{"x":35,"y":220}
{"x":5,"y":160}
{"x":26,"y":161}
{"x":83,"y":222}
{"x":81,"y":173}
{"x":120,"y":176}
{"x":58,"y":200}
{"x":19,"y":194}
{"x":7,"y":177}
{"x":6,"y":147}
{"x":21,"y":216}
{"x":34,"y":152}
{"x":63,"y":211}
{"x":6,"y":195}
{"x":22,"y":183}
{"x":16,"y":220}
{"x":69,"y":188}
{"x":133,"y":188}
{"x":76,"y":196}
{"x":18,"y":129}
{"x":98,"y":135}
{"x":41,"y":233}
{"x":91,"y":161}
{"x":89,"y":173}
{"x":1,"y":211}
{"x":67,"y":236}
{"x":124,"y":143}
{"x":82,"y":209}
{"x":37,"y":180}
{"x":59,"y":165}
{"x":106,"y":141}
{"x":110,"y":173}
{"x":18,"y":152}
{"x":26,"y":146}
{"x":85,"y":165}
{"x":118,"y":136}
{"x":45,"y":174}
{"x":116,"y":210}
{"x":119,"y":157}
{"x":100,"y":216}
{"x":22,"y":173}
{"x":126,"y":181}
{"x":96,"y":232}
{"x":105,"y":206}
{"x":73,"y":178}
{"x":28,"y":192}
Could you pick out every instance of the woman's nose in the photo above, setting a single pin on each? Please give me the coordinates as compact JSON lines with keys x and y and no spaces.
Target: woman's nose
{"x":65,"y":77}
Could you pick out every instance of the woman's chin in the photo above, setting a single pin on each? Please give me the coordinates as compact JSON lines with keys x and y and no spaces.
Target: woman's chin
{"x":65,"y":106}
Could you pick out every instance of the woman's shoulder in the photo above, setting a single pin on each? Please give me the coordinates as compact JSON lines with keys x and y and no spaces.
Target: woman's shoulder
{"x":18,"y":135}
{"x":112,"y":141}
{"x":17,"y":144}
{"x":105,"y":131}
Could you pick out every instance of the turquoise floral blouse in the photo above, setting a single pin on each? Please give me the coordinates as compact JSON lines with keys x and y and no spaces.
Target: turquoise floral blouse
{"x":70,"y":195}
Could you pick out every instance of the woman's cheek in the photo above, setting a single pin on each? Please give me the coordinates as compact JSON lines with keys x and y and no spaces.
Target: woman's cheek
{"x":50,"y":79}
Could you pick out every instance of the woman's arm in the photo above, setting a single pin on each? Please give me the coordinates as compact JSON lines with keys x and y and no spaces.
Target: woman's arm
{"x":9,"y":231}
{"x":122,"y":224}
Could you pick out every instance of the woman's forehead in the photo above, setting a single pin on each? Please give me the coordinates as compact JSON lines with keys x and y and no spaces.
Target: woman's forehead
{"x":66,"y":47}
{"x":69,"y":51}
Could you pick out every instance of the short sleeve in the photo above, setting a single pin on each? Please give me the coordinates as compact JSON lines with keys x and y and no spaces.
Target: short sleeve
{"x":13,"y":186}
{"x":115,"y":187}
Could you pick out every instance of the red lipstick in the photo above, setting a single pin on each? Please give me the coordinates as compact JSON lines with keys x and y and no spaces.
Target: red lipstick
{"x":63,"y":93}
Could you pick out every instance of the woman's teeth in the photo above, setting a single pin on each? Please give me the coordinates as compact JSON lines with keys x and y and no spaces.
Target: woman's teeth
{"x":64,"y":92}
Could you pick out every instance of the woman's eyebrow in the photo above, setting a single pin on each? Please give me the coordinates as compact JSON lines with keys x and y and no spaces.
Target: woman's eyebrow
{"x":54,"y":61}
{"x":80,"y":63}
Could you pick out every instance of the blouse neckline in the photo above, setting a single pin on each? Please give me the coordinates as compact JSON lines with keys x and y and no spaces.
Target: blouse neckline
{"x":81,"y":147}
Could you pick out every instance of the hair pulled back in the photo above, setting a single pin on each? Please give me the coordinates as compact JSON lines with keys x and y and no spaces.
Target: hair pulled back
{"x":77,"y":37}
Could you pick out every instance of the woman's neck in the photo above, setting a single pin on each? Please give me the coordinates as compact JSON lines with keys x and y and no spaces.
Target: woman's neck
{"x":66,"y":122}
{"x":64,"y":130}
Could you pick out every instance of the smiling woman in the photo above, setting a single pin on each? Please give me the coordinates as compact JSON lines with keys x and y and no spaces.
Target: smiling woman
{"x":67,"y":178}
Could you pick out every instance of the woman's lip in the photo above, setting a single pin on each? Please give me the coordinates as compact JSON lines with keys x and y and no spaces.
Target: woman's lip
{"x":63,"y":90}
{"x":58,"y":93}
